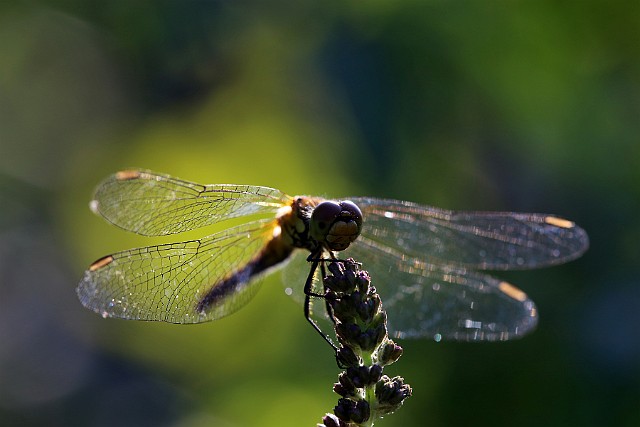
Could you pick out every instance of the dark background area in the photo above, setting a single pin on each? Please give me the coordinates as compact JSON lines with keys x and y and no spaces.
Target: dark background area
{"x":519,"y":106}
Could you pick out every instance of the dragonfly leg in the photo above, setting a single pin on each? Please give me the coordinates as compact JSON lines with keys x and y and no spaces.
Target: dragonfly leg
{"x":327,"y":302}
{"x":307,"y":303}
{"x":308,"y":285}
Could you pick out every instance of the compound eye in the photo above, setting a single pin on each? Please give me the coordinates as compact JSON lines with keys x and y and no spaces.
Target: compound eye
{"x":354,"y":211}
{"x":323,"y":217}
{"x":335,"y":225}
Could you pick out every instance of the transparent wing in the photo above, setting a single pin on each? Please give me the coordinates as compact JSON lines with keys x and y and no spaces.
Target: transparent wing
{"x":443,"y":302}
{"x":166,"y":282}
{"x":478,"y":240}
{"x":153,"y":204}
{"x":426,"y":300}
{"x":422,"y":260}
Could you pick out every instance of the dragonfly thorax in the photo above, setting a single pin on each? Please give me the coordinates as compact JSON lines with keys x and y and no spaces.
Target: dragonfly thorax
{"x":294,"y":223}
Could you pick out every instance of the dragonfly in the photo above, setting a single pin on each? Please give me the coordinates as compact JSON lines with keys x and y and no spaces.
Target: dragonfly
{"x":428,"y":264}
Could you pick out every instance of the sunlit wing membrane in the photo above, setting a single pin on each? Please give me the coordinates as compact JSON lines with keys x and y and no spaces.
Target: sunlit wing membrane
{"x":478,"y":240}
{"x":166,"y":282}
{"x":443,"y":302}
{"x":153,"y":204}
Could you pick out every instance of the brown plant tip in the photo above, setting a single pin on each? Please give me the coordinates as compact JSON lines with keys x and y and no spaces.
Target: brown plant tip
{"x":365,"y":348}
{"x":345,"y":357}
{"x":391,"y":393}
{"x":352,"y":411}
{"x":389,"y":353}
{"x":331,"y":420}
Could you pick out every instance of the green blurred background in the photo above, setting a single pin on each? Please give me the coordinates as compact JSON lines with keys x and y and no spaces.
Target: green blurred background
{"x":524,"y":106}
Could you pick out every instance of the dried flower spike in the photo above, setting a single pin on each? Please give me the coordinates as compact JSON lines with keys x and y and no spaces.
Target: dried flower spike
{"x":364,"y":349}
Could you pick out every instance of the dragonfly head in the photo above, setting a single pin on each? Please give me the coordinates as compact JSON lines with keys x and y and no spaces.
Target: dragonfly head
{"x":335,"y":225}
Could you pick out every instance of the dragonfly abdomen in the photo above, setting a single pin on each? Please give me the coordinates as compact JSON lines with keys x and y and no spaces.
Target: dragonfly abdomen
{"x":275,"y":252}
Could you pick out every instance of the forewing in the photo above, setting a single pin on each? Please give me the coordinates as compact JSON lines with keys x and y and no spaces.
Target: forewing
{"x":166,"y":282}
{"x":443,"y":302}
{"x":478,"y":240}
{"x":153,"y":204}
